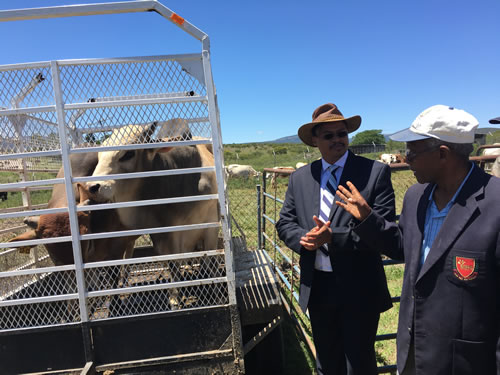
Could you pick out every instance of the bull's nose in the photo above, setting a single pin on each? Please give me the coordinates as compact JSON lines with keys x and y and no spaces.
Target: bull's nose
{"x":94,"y":188}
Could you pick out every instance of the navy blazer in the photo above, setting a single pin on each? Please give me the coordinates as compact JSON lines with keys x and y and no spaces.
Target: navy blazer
{"x":451,"y":306}
{"x":359,"y":274}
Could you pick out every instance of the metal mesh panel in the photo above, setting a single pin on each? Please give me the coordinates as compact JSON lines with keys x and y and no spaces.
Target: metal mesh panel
{"x":81,"y":82}
{"x":39,"y":314}
{"x":22,"y":88}
{"x":156,"y":274}
{"x":35,"y":314}
{"x":95,"y":126}
{"x":122,"y":101}
{"x":29,"y":133}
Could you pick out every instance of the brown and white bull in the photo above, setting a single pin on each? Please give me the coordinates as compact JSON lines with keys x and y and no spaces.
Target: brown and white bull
{"x":155,"y":159}
{"x":56,"y":225}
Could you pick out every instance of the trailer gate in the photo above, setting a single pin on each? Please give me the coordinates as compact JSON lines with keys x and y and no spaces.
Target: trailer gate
{"x":148,"y":313}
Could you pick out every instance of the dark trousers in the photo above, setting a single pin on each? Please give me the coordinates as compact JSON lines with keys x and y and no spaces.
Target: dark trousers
{"x":344,"y":335}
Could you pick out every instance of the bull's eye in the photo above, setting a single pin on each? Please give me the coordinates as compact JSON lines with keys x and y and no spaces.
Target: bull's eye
{"x":128,"y":155}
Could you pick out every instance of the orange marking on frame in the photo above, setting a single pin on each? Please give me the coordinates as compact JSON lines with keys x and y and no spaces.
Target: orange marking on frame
{"x":177,"y":19}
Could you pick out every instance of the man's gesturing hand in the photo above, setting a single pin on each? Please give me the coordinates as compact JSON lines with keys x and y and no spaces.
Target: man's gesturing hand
{"x":317,"y":236}
{"x":353,"y":202}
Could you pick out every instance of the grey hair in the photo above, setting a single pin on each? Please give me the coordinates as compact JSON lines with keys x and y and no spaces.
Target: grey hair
{"x":462,"y":150}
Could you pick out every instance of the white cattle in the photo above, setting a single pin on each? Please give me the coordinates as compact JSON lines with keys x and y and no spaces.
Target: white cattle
{"x":387,"y":158}
{"x":243,"y":171}
{"x":495,"y":170}
{"x":492,"y":151}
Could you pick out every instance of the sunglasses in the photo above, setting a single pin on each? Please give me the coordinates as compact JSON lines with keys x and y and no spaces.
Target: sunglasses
{"x":340,"y":134}
{"x":412,"y":155}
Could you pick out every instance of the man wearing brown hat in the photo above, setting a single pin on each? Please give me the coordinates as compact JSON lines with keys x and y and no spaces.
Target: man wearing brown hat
{"x":342,"y":281}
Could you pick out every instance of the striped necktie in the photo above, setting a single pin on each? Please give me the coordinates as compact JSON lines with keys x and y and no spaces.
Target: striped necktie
{"x":331,"y":186}
{"x":327,"y":200}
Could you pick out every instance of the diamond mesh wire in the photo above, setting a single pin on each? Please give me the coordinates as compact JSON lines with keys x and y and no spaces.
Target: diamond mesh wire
{"x":81,"y":82}
{"x":95,"y":126}
{"x":157,"y":274}
{"x":29,"y":133}
{"x":38,"y":313}
{"x":24,"y":88}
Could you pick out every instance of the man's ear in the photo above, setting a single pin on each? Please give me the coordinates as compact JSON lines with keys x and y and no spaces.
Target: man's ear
{"x":444,"y":152}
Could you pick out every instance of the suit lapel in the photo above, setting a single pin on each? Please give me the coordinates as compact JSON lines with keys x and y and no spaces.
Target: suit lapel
{"x":456,"y":220}
{"x":316,"y":174}
{"x":417,"y":238}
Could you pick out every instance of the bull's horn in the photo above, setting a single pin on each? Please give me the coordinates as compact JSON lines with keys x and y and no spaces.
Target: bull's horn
{"x":30,"y":235}
{"x":149,"y":131}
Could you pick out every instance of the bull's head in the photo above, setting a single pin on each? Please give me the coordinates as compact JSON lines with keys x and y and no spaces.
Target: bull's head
{"x":123,"y":161}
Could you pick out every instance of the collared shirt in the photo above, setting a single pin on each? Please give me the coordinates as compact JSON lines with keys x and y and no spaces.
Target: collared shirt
{"x":322,"y":261}
{"x":434,"y":219}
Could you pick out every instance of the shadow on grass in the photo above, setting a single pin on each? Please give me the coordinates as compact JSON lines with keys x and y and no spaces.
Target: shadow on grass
{"x":298,"y":360}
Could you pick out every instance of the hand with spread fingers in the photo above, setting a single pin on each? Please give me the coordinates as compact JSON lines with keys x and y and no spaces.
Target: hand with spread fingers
{"x":317,"y":236}
{"x":353,"y":201}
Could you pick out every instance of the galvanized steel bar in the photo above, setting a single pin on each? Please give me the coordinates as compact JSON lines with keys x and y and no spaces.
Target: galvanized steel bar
{"x":70,"y":194}
{"x":16,"y":185}
{"x":33,"y":213}
{"x":140,"y":232}
{"x":148,"y":202}
{"x":259,"y":227}
{"x":99,"y":9}
{"x":156,"y":258}
{"x":125,"y":176}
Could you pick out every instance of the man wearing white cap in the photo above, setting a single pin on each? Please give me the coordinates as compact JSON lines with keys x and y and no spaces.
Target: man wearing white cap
{"x":449,"y":237}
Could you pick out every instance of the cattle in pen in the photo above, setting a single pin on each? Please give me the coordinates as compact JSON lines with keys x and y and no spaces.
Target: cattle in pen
{"x":56,"y":225}
{"x":242,"y":171}
{"x":169,"y":186}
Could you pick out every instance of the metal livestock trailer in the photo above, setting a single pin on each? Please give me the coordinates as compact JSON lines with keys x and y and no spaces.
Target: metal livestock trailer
{"x":150,"y":313}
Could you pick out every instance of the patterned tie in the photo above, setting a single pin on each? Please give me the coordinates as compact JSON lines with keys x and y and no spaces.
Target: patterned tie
{"x":331,"y":186}
{"x":327,"y":201}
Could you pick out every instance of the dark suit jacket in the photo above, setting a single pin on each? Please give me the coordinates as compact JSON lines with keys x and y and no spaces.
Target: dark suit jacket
{"x":456,"y":308}
{"x":359,"y":274}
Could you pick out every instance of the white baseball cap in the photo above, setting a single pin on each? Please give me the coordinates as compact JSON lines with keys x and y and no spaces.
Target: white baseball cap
{"x":441,"y":122}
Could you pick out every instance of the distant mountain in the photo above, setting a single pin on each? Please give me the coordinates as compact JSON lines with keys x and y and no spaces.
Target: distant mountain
{"x":289,"y":139}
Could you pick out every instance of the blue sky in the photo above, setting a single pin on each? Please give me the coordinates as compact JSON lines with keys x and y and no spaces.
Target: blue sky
{"x":274,"y":62}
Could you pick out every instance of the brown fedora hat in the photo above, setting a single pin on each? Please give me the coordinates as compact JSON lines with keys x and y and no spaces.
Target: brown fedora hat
{"x":327,"y":113}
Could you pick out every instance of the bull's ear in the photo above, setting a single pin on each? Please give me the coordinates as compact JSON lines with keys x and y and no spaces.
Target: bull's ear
{"x":84,"y":192}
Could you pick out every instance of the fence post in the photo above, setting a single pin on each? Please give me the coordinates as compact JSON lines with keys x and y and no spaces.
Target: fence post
{"x":259,"y":227}
{"x":264,"y":188}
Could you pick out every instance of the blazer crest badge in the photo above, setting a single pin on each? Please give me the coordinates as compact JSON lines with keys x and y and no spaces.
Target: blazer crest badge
{"x":465,"y":268}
